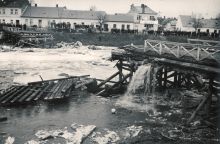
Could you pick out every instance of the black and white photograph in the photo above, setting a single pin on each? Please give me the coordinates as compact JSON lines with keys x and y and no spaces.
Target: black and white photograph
{"x":109,"y":71}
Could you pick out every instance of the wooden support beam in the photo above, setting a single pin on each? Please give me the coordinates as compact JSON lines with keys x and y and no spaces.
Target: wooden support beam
{"x":124,"y":79}
{"x":128,"y":69}
{"x":209,"y":99}
{"x":120,"y":70}
{"x":197,"y":109}
{"x":108,"y":79}
{"x":175,"y":79}
{"x":179,"y":77}
{"x":40,"y":82}
{"x":113,"y":86}
{"x":165,"y":77}
{"x":160,"y":77}
{"x":101,"y":80}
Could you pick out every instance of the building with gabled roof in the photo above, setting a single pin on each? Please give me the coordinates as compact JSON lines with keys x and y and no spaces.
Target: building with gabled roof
{"x":186,"y":22}
{"x":45,"y":16}
{"x":145,"y":18}
{"x":119,"y":21}
{"x":10,"y":13}
{"x":139,"y":18}
{"x":143,"y":9}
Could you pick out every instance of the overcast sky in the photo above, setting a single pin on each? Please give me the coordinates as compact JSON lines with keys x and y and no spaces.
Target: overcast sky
{"x":171,"y":8}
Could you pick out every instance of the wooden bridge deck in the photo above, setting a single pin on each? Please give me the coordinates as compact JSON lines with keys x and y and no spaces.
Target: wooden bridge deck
{"x":185,"y":52}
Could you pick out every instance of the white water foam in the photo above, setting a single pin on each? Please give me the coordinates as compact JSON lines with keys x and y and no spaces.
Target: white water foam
{"x":135,"y":98}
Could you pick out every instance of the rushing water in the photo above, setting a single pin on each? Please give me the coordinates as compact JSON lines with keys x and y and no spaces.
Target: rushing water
{"x":136,"y":96}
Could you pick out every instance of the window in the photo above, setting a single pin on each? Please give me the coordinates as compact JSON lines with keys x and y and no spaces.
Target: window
{"x":114,"y":26}
{"x":40,"y":23}
{"x":48,"y":23}
{"x":83,"y":23}
{"x":128,"y":27}
{"x":26,"y":21}
{"x":3,"y":11}
{"x":215,"y":31}
{"x":11,"y":21}
{"x":12,"y":11}
{"x":148,"y":25}
{"x":16,"y":11}
{"x":207,"y":30}
{"x":123,"y":26}
{"x":152,"y":18}
{"x":31,"y":22}
{"x":138,"y":17}
{"x":3,"y":21}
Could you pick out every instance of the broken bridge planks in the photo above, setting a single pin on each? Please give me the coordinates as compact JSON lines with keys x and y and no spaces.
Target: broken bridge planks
{"x":45,"y":90}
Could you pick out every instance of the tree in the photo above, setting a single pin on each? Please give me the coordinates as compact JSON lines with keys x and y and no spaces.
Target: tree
{"x":101,"y":20}
{"x":197,"y":22}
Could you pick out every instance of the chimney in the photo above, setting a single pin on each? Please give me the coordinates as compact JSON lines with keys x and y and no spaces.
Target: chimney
{"x":132,"y":6}
{"x":143,"y":8}
{"x":56,"y":5}
{"x":35,"y":5}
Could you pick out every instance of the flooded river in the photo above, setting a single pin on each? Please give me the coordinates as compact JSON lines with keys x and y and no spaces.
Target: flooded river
{"x":82,"y":108}
{"x":83,"y":117}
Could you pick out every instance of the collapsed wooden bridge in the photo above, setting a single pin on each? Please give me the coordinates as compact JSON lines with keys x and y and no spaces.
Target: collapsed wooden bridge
{"x":175,"y":65}
{"x":178,"y":64}
{"x":44,"y":90}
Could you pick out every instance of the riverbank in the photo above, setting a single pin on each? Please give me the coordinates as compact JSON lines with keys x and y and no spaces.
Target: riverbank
{"x":108,"y":39}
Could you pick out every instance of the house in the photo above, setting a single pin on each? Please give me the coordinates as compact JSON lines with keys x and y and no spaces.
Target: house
{"x":10,"y":14}
{"x":122,"y":22}
{"x":51,"y":16}
{"x":139,"y":18}
{"x":145,"y":18}
{"x":186,"y":23}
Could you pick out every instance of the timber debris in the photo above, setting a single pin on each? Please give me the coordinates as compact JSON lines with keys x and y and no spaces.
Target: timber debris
{"x":45,"y":90}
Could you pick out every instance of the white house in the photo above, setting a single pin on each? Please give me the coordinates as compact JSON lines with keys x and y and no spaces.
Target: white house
{"x":47,"y":16}
{"x":11,"y":14}
{"x":145,"y":18}
{"x":139,"y":18}
{"x":119,"y":21}
{"x":186,"y":22}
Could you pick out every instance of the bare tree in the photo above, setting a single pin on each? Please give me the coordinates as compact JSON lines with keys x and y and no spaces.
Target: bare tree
{"x":197,"y":22}
{"x":101,"y":20}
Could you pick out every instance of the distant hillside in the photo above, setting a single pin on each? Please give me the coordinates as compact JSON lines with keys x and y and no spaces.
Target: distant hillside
{"x":13,"y":3}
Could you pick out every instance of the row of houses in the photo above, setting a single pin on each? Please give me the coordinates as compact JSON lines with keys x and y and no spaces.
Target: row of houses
{"x":139,"y":18}
{"x":189,"y":23}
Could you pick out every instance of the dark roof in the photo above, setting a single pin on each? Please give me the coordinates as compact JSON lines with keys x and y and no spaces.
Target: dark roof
{"x":61,"y":12}
{"x":187,"y":21}
{"x":80,"y":14}
{"x":120,"y":18}
{"x":138,"y":9}
{"x":14,"y":3}
{"x":42,"y":12}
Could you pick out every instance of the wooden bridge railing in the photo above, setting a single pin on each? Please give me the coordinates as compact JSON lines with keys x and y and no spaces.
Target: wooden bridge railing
{"x":179,"y":50}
